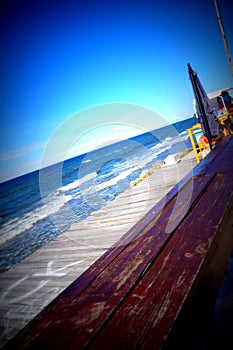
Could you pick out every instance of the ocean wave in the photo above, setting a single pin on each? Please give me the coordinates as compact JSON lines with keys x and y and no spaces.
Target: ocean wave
{"x":168,"y":142}
{"x":18,"y":225}
{"x":77,"y":183}
{"x":89,"y":185}
{"x":96,"y":187}
{"x":183,"y":136}
{"x":161,"y":151}
{"x":103,"y":175}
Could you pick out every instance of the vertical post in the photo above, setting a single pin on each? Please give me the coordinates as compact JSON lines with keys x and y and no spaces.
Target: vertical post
{"x":200,"y":105}
{"x":193,"y":145}
{"x":223,"y":35}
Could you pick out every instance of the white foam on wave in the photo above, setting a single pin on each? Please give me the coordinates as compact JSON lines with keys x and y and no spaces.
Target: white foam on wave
{"x":54,"y":202}
{"x":104,"y":185}
{"x":16,"y":226}
{"x":94,"y":187}
{"x":179,"y":138}
{"x":160,"y":151}
{"x":116,"y":179}
{"x":162,"y":145}
{"x":77,"y":183}
{"x":168,"y":142}
{"x":51,"y":204}
{"x":156,"y":150}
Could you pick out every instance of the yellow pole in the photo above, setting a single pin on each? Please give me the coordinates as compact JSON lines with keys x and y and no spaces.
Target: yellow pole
{"x":194,"y":146}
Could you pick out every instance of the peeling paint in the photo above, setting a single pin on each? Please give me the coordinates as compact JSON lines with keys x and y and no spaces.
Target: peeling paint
{"x":200,"y":249}
{"x":128,"y":272}
{"x":188,"y":255}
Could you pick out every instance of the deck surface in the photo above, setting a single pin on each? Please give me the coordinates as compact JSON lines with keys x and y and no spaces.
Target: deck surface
{"x":145,"y":291}
{"x":33,"y":283}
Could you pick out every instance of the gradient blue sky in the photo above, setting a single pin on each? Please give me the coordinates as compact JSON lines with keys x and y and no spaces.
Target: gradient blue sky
{"x":61,"y":57}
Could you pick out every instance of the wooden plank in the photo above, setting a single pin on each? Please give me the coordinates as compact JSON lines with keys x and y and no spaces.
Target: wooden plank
{"x":81,"y":310}
{"x":147,"y":315}
{"x":49,"y":285}
{"x":28,"y":269}
{"x":100,"y":264}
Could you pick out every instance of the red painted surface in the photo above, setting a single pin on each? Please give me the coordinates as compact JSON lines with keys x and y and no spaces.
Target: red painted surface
{"x":131,"y":297}
{"x":149,"y":312}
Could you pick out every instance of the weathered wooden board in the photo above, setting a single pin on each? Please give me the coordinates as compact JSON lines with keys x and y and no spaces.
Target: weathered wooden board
{"x":46,"y":273}
{"x":85,"y":306}
{"x":133,"y":294}
{"x":147,"y":315}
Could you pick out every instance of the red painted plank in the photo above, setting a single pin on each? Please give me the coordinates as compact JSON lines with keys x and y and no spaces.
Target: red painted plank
{"x":46,"y":316}
{"x":222,"y":152}
{"x":149,"y":312}
{"x":88,"y":312}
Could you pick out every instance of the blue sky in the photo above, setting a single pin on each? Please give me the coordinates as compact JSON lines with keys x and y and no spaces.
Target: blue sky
{"x":59,"y":58}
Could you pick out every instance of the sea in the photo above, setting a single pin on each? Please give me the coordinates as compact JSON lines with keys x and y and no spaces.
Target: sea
{"x":37,"y":207}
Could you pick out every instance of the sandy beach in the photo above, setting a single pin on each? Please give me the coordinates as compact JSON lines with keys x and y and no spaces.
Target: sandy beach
{"x":32,"y":284}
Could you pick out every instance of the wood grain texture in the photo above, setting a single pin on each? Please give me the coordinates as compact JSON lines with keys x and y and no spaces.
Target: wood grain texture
{"x":87,"y":312}
{"x":132,"y":296}
{"x":28,"y":287}
{"x":146,"y":317}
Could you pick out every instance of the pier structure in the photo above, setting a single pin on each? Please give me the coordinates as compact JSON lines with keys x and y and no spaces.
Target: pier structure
{"x":29,"y":286}
{"x":155,"y":287}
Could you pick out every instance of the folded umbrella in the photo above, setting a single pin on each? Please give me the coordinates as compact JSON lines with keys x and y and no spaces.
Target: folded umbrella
{"x":205,"y":113}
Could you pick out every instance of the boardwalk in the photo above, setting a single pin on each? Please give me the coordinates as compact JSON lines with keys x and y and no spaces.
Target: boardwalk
{"x":32,"y":284}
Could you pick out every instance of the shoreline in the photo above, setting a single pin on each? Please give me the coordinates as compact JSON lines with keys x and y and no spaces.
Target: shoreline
{"x":33,"y":283}
{"x":145,"y":174}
